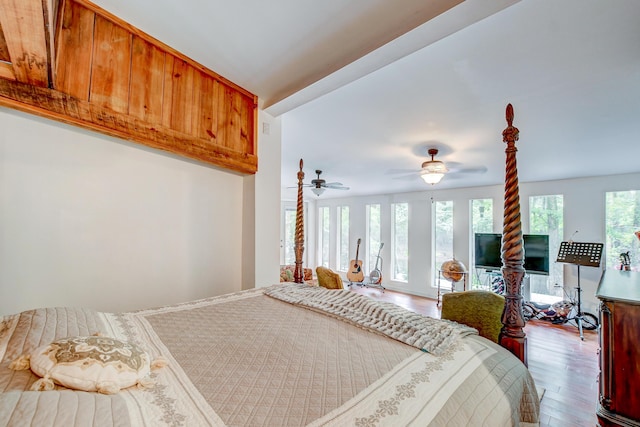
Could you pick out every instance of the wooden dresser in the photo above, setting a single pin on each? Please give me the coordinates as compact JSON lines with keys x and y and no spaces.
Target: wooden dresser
{"x":619,"y":399}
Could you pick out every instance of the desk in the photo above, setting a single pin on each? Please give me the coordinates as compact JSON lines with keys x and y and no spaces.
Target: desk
{"x":453,"y":284}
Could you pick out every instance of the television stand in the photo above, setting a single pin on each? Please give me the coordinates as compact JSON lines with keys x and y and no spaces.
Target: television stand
{"x":492,"y":279}
{"x":494,"y":282}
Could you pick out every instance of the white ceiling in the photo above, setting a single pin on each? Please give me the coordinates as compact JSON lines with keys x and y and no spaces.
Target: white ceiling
{"x":365,"y":87}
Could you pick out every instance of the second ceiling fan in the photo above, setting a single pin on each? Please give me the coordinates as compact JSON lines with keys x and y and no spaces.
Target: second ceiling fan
{"x":318,"y":185}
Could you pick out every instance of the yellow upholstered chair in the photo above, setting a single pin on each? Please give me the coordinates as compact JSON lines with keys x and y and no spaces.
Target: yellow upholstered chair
{"x":479,"y":309}
{"x":328,"y":278}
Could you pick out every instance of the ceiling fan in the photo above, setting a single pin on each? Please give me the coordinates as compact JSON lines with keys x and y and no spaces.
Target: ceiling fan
{"x":432,"y":171}
{"x":318,"y":185}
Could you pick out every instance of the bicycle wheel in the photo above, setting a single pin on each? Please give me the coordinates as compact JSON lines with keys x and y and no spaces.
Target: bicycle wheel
{"x":589,"y":321}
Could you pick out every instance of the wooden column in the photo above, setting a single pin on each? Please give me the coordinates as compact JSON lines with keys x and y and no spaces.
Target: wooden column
{"x":298,"y":275}
{"x":512,"y":335}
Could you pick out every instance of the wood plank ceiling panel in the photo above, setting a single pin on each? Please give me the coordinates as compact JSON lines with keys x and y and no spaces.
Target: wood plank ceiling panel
{"x":196,"y":85}
{"x":111,"y":66}
{"x":6,"y":69}
{"x":233,"y":133}
{"x":147,"y":81}
{"x":75,"y":47}
{"x":23,"y":27}
{"x":181,"y":100}
{"x":208,"y":123}
{"x":4,"y":50}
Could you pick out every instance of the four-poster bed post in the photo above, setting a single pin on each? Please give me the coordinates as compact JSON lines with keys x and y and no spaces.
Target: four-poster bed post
{"x":298,"y":273}
{"x":512,"y":335}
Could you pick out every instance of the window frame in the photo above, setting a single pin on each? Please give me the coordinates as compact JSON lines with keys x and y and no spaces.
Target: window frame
{"x":394,"y":242}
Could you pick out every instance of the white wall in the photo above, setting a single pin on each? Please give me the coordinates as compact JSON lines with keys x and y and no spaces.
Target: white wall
{"x":262,"y":198}
{"x":584,"y":203}
{"x":90,"y":220}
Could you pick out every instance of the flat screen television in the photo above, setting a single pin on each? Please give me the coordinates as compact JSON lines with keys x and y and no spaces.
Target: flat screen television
{"x":487,"y":251}
{"x":536,"y":252}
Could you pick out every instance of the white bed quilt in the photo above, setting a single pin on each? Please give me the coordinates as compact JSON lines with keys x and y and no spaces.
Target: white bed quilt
{"x":251,"y":359}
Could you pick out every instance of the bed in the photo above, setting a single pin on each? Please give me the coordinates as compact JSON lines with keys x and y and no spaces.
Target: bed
{"x":285,"y":355}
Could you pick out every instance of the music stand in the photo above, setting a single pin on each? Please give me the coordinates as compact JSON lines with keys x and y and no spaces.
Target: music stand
{"x":580,"y":253}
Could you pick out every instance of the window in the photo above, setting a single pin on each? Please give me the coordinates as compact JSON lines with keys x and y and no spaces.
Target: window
{"x":481,"y":222}
{"x":323,"y":236}
{"x":289,"y":235}
{"x":343,"y":238}
{"x":622,"y":219}
{"x":442,"y":234}
{"x":546,"y":217}
{"x":482,"y":215}
{"x":373,"y":236}
{"x":400,"y":241}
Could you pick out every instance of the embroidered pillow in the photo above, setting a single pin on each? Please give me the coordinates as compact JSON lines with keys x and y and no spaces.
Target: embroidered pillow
{"x":88,"y":363}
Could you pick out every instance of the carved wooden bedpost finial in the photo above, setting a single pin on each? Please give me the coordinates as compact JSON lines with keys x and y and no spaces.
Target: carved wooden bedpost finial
{"x":512,"y":335}
{"x":509,"y":115}
{"x":298,"y":275}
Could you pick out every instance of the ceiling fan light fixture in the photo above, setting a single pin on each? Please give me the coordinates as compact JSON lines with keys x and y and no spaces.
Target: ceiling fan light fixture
{"x":432,"y":177}
{"x":317,"y":190}
{"x":433,"y":170}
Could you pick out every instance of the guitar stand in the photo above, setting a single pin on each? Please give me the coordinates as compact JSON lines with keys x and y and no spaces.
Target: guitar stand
{"x":375,"y":285}
{"x":367,"y":285}
{"x":370,"y":284}
{"x":587,"y":254}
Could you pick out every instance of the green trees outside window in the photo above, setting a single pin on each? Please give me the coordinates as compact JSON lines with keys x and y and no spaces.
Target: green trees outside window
{"x":622,"y":219}
{"x":400,"y":247}
{"x":373,"y":235}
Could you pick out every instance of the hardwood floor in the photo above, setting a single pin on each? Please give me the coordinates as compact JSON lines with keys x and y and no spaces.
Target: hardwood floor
{"x":558,"y":361}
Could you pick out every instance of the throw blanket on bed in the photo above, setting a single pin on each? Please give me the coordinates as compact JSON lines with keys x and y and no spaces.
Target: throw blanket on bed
{"x":426,"y":333}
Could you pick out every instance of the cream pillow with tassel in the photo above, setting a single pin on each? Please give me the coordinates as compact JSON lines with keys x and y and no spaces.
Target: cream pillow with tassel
{"x":89,"y":363}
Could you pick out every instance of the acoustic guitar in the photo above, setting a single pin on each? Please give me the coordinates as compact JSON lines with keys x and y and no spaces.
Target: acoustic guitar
{"x":355,"y":273}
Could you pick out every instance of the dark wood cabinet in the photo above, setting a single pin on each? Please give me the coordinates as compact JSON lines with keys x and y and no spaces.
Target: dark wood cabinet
{"x":619,"y":400}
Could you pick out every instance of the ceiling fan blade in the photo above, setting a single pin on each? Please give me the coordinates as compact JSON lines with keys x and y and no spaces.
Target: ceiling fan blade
{"x":481,"y":169}
{"x":408,"y":177}
{"x":336,"y":186}
{"x":401,"y":171}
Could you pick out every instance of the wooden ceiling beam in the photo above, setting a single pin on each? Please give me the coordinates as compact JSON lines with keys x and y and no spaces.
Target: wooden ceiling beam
{"x":57,"y":105}
{"x":4,"y":51}
{"x":23,"y":27}
{"x":6,"y":71}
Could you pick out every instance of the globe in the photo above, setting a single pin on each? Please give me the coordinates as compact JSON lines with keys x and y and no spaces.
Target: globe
{"x":453,"y":270}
